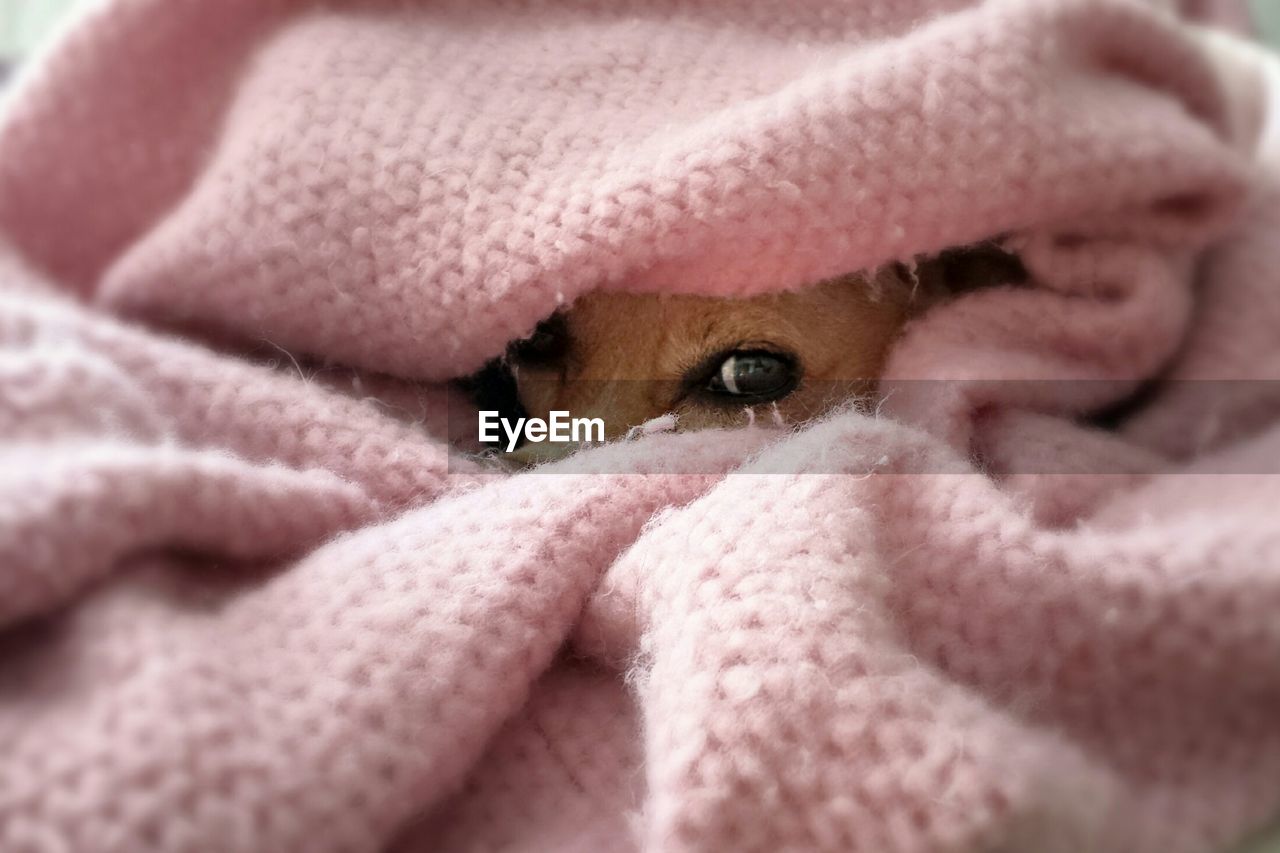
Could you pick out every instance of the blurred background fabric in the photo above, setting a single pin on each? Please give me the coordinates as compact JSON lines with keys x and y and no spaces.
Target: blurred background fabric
{"x":1267,"y":13}
{"x":24,"y":24}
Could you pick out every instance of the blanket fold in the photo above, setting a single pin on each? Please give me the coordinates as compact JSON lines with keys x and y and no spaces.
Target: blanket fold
{"x":258,"y":593}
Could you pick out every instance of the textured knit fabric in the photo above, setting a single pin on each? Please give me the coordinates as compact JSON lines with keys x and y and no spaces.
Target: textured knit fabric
{"x":255,"y":596}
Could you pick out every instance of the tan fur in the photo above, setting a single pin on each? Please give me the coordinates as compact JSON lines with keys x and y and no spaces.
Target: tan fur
{"x":628,"y":355}
{"x":628,"y":358}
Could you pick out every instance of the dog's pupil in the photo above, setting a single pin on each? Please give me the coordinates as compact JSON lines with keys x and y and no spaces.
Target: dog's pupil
{"x":754,"y":374}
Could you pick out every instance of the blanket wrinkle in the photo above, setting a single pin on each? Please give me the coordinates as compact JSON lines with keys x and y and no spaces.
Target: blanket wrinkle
{"x":708,"y":680}
{"x":258,"y":591}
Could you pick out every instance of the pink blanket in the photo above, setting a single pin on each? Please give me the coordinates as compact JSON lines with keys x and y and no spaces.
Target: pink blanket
{"x":251,"y":599}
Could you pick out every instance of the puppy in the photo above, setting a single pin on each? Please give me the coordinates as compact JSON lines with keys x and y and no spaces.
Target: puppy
{"x":722,"y":362}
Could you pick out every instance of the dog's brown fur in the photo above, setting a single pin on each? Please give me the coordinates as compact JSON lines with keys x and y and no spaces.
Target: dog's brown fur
{"x":628,"y":358}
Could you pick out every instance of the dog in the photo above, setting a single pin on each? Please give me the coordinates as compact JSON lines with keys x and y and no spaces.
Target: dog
{"x":709,"y":362}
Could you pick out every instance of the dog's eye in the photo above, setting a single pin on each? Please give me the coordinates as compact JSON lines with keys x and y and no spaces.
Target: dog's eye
{"x":755,"y":376}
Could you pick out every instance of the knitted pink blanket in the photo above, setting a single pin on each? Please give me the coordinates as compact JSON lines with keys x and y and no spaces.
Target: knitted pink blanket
{"x":251,"y":601}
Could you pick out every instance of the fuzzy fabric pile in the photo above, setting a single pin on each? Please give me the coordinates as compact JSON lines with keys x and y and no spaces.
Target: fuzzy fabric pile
{"x":255,"y":595}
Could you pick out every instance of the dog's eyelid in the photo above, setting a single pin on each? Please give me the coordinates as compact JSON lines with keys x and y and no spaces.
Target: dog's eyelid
{"x":698,"y":372}
{"x":708,"y":364}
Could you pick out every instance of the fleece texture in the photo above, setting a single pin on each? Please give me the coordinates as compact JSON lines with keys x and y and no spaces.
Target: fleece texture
{"x":256,"y":596}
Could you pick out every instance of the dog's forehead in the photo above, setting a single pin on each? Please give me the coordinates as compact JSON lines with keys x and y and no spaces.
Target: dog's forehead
{"x":665,"y":335}
{"x":618,"y":335}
